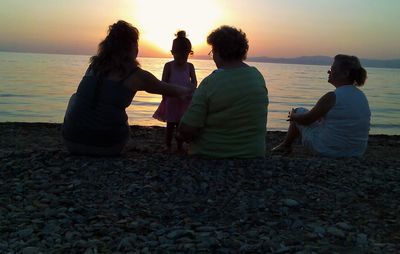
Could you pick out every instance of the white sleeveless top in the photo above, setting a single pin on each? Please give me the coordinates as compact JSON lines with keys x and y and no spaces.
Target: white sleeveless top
{"x":344,"y":130}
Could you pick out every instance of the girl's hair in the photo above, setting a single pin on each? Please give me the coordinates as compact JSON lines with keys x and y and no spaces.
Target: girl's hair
{"x":357,"y":74}
{"x":181,"y":44}
{"x":230,"y":43}
{"x":115,"y":52}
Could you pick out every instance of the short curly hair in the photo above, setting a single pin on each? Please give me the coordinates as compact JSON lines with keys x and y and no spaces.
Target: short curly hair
{"x":230,"y":43}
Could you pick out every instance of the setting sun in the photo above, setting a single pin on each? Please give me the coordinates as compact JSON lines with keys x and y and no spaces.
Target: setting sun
{"x":158,"y":26}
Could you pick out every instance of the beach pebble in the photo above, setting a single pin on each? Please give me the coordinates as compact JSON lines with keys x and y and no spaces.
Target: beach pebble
{"x":126,"y":244}
{"x":290,"y":202}
{"x":30,"y":250}
{"x":175,"y":234}
{"x":24,"y":233}
{"x":282,"y":249}
{"x":343,"y":225}
{"x":205,"y":229}
{"x":316,"y":228}
{"x":335,"y":232}
{"x":362,"y":239}
{"x":91,"y":250}
{"x":249,"y":248}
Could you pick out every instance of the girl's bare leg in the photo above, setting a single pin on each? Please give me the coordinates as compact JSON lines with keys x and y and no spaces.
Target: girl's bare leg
{"x":169,"y":133}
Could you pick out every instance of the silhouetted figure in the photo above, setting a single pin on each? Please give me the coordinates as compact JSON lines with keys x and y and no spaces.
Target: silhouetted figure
{"x":228,"y":114}
{"x":338,"y":125}
{"x":178,"y":71}
{"x":95,"y":121}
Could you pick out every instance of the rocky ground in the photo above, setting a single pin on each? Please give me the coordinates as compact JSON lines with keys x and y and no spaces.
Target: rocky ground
{"x":146,"y":201}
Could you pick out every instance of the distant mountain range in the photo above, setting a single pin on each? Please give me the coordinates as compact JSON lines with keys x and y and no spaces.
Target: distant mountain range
{"x":326,"y":60}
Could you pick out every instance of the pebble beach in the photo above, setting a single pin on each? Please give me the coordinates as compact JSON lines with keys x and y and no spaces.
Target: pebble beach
{"x":147,"y":201}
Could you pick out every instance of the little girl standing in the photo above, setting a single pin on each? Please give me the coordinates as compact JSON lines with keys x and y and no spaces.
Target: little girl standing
{"x":179,"y":72}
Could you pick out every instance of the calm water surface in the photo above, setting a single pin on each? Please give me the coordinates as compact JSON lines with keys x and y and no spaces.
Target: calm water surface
{"x":36,"y":88}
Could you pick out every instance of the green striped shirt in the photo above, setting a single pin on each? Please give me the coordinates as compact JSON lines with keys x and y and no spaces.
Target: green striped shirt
{"x":230,"y":108}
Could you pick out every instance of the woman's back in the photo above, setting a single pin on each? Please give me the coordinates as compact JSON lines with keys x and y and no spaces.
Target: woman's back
{"x":346,"y":126}
{"x":101,"y":103}
{"x":96,"y":112}
{"x":236,"y":112}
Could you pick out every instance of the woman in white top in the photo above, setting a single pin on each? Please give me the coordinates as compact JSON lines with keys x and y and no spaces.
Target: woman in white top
{"x":338,"y":125}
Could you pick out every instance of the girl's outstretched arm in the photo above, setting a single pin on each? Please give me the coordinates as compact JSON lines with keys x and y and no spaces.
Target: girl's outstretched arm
{"x":324,"y":104}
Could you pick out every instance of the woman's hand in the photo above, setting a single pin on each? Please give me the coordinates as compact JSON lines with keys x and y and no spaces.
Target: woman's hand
{"x":187,"y":93}
{"x":191,"y":86}
{"x":324,"y":104}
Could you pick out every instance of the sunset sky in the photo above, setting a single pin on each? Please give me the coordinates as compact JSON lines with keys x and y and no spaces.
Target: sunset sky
{"x":275,"y":28}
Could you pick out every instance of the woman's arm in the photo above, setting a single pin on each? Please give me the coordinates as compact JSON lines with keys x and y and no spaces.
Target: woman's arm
{"x":324,"y":104}
{"x":145,"y":81}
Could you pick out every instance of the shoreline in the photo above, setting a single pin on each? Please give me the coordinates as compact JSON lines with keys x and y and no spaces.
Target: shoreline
{"x":148,"y":201}
{"x":379,"y":145}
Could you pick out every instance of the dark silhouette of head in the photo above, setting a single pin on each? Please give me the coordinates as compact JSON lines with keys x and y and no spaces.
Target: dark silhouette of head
{"x":181,"y":48}
{"x":181,"y":44}
{"x":351,"y":64}
{"x":229,"y":42}
{"x":118,"y":51}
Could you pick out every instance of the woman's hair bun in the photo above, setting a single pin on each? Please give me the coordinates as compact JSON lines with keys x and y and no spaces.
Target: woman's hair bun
{"x":181,"y":34}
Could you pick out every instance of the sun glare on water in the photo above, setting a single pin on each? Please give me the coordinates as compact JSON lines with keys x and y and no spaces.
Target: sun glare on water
{"x":160,"y":20}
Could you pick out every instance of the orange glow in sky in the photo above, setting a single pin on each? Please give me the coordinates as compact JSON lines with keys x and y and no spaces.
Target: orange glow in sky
{"x":158,"y":29}
{"x":289,"y":28}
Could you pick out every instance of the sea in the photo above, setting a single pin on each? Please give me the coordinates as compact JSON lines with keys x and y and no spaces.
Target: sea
{"x":37,"y":87}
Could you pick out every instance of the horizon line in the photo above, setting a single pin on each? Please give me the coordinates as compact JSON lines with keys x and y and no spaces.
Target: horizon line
{"x":198,"y":57}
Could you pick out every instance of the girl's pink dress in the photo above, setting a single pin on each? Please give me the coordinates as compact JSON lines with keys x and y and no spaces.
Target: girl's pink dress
{"x":171,"y":109}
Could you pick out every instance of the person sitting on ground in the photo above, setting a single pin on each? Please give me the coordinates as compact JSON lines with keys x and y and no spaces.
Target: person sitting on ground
{"x":338,"y":125}
{"x":95,"y":121}
{"x":228,"y":113}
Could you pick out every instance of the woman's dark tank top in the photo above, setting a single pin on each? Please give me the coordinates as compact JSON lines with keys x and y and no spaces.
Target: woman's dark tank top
{"x":96,"y":112}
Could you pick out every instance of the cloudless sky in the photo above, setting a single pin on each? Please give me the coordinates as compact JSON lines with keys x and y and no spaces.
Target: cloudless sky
{"x":275,"y":28}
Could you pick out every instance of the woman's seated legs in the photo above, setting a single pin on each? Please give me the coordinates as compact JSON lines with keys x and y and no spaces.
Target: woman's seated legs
{"x":292,"y":135}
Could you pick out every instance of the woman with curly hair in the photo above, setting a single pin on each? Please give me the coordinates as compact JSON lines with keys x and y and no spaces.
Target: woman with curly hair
{"x":228,"y":114}
{"x":338,"y":125}
{"x":95,"y":121}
